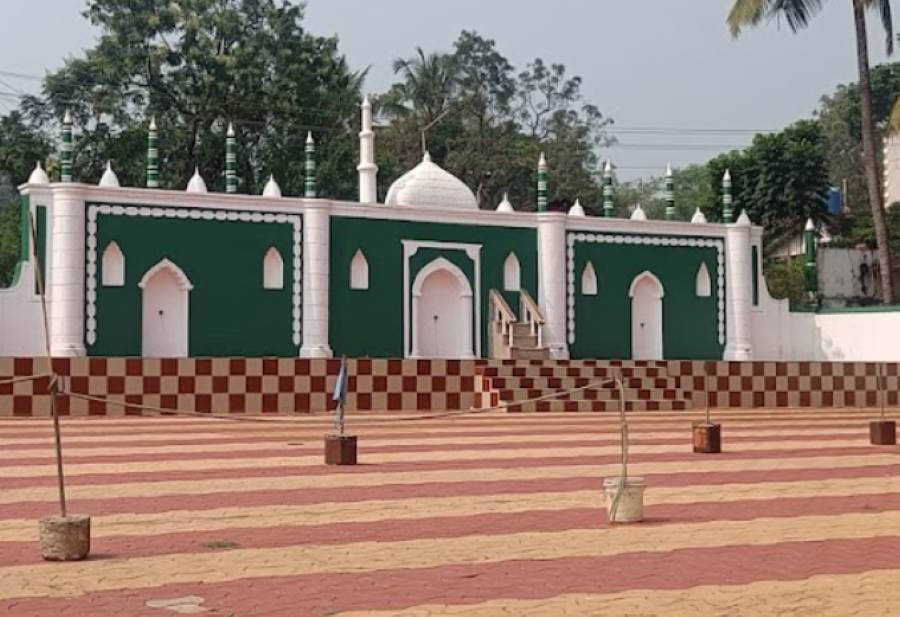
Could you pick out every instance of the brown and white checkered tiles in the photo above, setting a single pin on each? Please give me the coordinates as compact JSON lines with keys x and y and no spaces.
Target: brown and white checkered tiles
{"x":295,"y":385}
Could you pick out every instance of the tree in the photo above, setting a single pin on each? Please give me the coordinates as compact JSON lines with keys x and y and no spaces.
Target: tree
{"x":197,"y":65}
{"x":798,"y":13}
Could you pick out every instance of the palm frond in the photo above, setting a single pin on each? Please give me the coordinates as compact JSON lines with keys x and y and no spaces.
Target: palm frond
{"x":746,"y":13}
{"x":894,"y":119}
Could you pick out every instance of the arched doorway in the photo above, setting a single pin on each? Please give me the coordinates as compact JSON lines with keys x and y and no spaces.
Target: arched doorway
{"x":164,"y":316}
{"x":646,"y":317}
{"x":441,"y":312}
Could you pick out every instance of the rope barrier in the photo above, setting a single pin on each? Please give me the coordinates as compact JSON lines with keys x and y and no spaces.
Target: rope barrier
{"x":13,"y":380}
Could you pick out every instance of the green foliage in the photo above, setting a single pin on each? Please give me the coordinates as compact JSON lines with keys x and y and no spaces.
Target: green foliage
{"x":196,"y":65}
{"x":780,"y":180}
{"x":785,"y":279}
{"x":860,"y":230}
{"x":10,"y":232}
{"x":487,"y":125}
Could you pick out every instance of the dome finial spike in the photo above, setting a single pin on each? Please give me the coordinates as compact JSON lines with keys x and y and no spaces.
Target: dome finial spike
{"x":38,"y":176}
{"x":109,"y":179}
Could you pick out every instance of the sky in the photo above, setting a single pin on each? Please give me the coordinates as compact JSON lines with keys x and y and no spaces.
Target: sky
{"x":650,"y":64}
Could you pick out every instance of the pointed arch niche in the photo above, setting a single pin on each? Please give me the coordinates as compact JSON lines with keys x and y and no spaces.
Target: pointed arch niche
{"x":703,"y":284}
{"x":113,"y":266}
{"x":512,"y":273}
{"x":359,"y":271}
{"x":589,"y":280}
{"x":273,"y":270}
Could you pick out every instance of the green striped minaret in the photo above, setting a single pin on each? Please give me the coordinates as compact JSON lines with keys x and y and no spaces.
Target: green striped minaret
{"x":810,"y":269}
{"x":309,"y":184}
{"x":608,"y":190}
{"x":670,"y":194}
{"x":152,"y":156}
{"x":230,"y":161}
{"x":727,"y":203}
{"x":65,"y":151}
{"x":542,"y":184}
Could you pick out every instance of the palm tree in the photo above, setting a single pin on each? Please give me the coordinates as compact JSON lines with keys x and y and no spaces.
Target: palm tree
{"x":798,"y":13}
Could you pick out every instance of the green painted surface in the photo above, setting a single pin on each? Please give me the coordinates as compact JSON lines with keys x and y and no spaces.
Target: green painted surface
{"x":25,"y":229}
{"x":603,"y":322}
{"x":230,"y":312}
{"x":40,"y":224}
{"x":754,"y":265}
{"x":370,"y":322}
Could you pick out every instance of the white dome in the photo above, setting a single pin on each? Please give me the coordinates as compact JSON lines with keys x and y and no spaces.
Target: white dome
{"x":638,"y":214}
{"x":426,"y":184}
{"x":109,"y":179}
{"x":272,"y":189}
{"x":38,"y":176}
{"x":196,"y":185}
{"x":505,"y":205}
{"x":698,"y":217}
{"x":577,"y":209}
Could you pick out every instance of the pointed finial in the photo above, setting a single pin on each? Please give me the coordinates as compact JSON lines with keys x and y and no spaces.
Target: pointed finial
{"x":698,"y":217}
{"x":577,"y":209}
{"x":272,"y":189}
{"x":744,"y":219}
{"x":810,"y":226}
{"x":638,"y":214}
{"x":366,"y":102}
{"x":196,"y":184}
{"x":67,"y":117}
{"x":727,"y":176}
{"x":668,"y":170}
{"x":309,"y":138}
{"x":109,"y":179}
{"x":607,"y":168}
{"x":426,"y":158}
{"x":153,"y":123}
{"x":38,"y":176}
{"x":505,"y":205}
{"x":230,"y":132}
{"x":542,"y":162}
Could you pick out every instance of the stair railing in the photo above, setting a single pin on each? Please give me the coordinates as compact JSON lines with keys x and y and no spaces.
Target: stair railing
{"x":532,"y":315}
{"x":503,"y":315}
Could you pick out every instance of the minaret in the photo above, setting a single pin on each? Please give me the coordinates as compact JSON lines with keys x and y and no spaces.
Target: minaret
{"x":810,"y":265}
{"x":65,"y":151}
{"x":230,"y":161}
{"x":309,"y":183}
{"x":152,"y":156}
{"x":368,"y":170}
{"x":542,"y":184}
{"x":670,"y":194}
{"x":727,"y":211}
{"x":607,"y":190}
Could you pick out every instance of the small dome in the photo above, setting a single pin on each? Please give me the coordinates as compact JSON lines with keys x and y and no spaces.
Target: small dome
{"x":196,"y":185}
{"x":743,"y":219}
{"x":426,"y":184}
{"x":638,"y":214}
{"x":38,"y":176}
{"x":109,"y":179}
{"x":698,"y":217}
{"x":272,"y":189}
{"x":576,"y":209}
{"x":505,"y":205}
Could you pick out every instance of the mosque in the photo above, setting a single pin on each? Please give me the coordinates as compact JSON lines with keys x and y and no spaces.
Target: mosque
{"x":171,"y":274}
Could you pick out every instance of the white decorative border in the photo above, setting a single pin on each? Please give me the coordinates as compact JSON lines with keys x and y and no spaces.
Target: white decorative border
{"x":572,"y":238}
{"x":186,"y":213}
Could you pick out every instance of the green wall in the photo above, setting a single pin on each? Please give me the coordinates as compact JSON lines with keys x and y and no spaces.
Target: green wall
{"x":230,"y":312}
{"x":370,"y":322}
{"x":40,"y":231}
{"x":603,"y":322}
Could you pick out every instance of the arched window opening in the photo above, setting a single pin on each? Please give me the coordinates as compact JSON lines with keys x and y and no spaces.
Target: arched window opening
{"x":589,"y":280}
{"x":273,"y":270}
{"x":512,"y":274}
{"x":703,"y":285}
{"x":359,"y":271}
{"x":113,"y":266}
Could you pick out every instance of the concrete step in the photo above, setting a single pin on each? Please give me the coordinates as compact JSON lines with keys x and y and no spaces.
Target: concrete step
{"x":602,"y":394}
{"x":525,"y":353}
{"x":560,"y":370}
{"x":597,"y":406}
{"x":567,"y":383}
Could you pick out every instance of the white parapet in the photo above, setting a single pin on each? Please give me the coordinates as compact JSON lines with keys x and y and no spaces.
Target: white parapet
{"x":552,"y":280}
{"x":66,"y":290}
{"x":739,"y":291}
{"x":316,"y":256}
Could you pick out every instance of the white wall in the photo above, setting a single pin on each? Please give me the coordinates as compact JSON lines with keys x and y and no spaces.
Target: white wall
{"x":21,"y":320}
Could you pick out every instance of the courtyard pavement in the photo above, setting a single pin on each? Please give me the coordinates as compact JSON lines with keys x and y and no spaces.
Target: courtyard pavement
{"x":498,"y":514}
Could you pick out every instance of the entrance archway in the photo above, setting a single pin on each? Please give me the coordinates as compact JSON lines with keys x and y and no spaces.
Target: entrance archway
{"x":441,"y":312}
{"x":646,"y":294}
{"x":164,"y":315}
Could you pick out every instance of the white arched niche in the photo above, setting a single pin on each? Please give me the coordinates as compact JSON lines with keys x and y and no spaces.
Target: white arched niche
{"x":589,"y":280}
{"x":273,"y":270}
{"x":512,"y":273}
{"x":703,"y":284}
{"x":359,"y":271}
{"x":646,"y":293}
{"x":113,"y":266}
{"x":442,"y":312}
{"x":165,"y":311}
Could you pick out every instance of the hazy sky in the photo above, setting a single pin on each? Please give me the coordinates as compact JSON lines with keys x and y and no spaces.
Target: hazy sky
{"x":667,"y":64}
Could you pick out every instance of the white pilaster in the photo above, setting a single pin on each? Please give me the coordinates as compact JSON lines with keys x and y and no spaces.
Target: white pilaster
{"x":67,"y":273}
{"x":368,"y":170}
{"x":316,"y":248}
{"x":738,"y":275}
{"x":552,"y":280}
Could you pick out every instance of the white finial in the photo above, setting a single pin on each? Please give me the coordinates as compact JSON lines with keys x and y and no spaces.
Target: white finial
{"x":608,"y":167}
{"x":810,"y":226}
{"x":576,"y":209}
{"x":743,"y":219}
{"x":272,"y":189}
{"x":366,"y":102}
{"x":542,"y":162}
{"x":67,"y":118}
{"x":727,"y":176}
{"x":230,"y":132}
{"x":426,"y":158}
{"x":505,"y":205}
{"x":109,"y":179}
{"x":638,"y":214}
{"x":38,"y":176}
{"x":153,"y":123}
{"x":196,"y":185}
{"x":309,"y":138}
{"x":668,"y":170}
{"x":698,"y":217}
